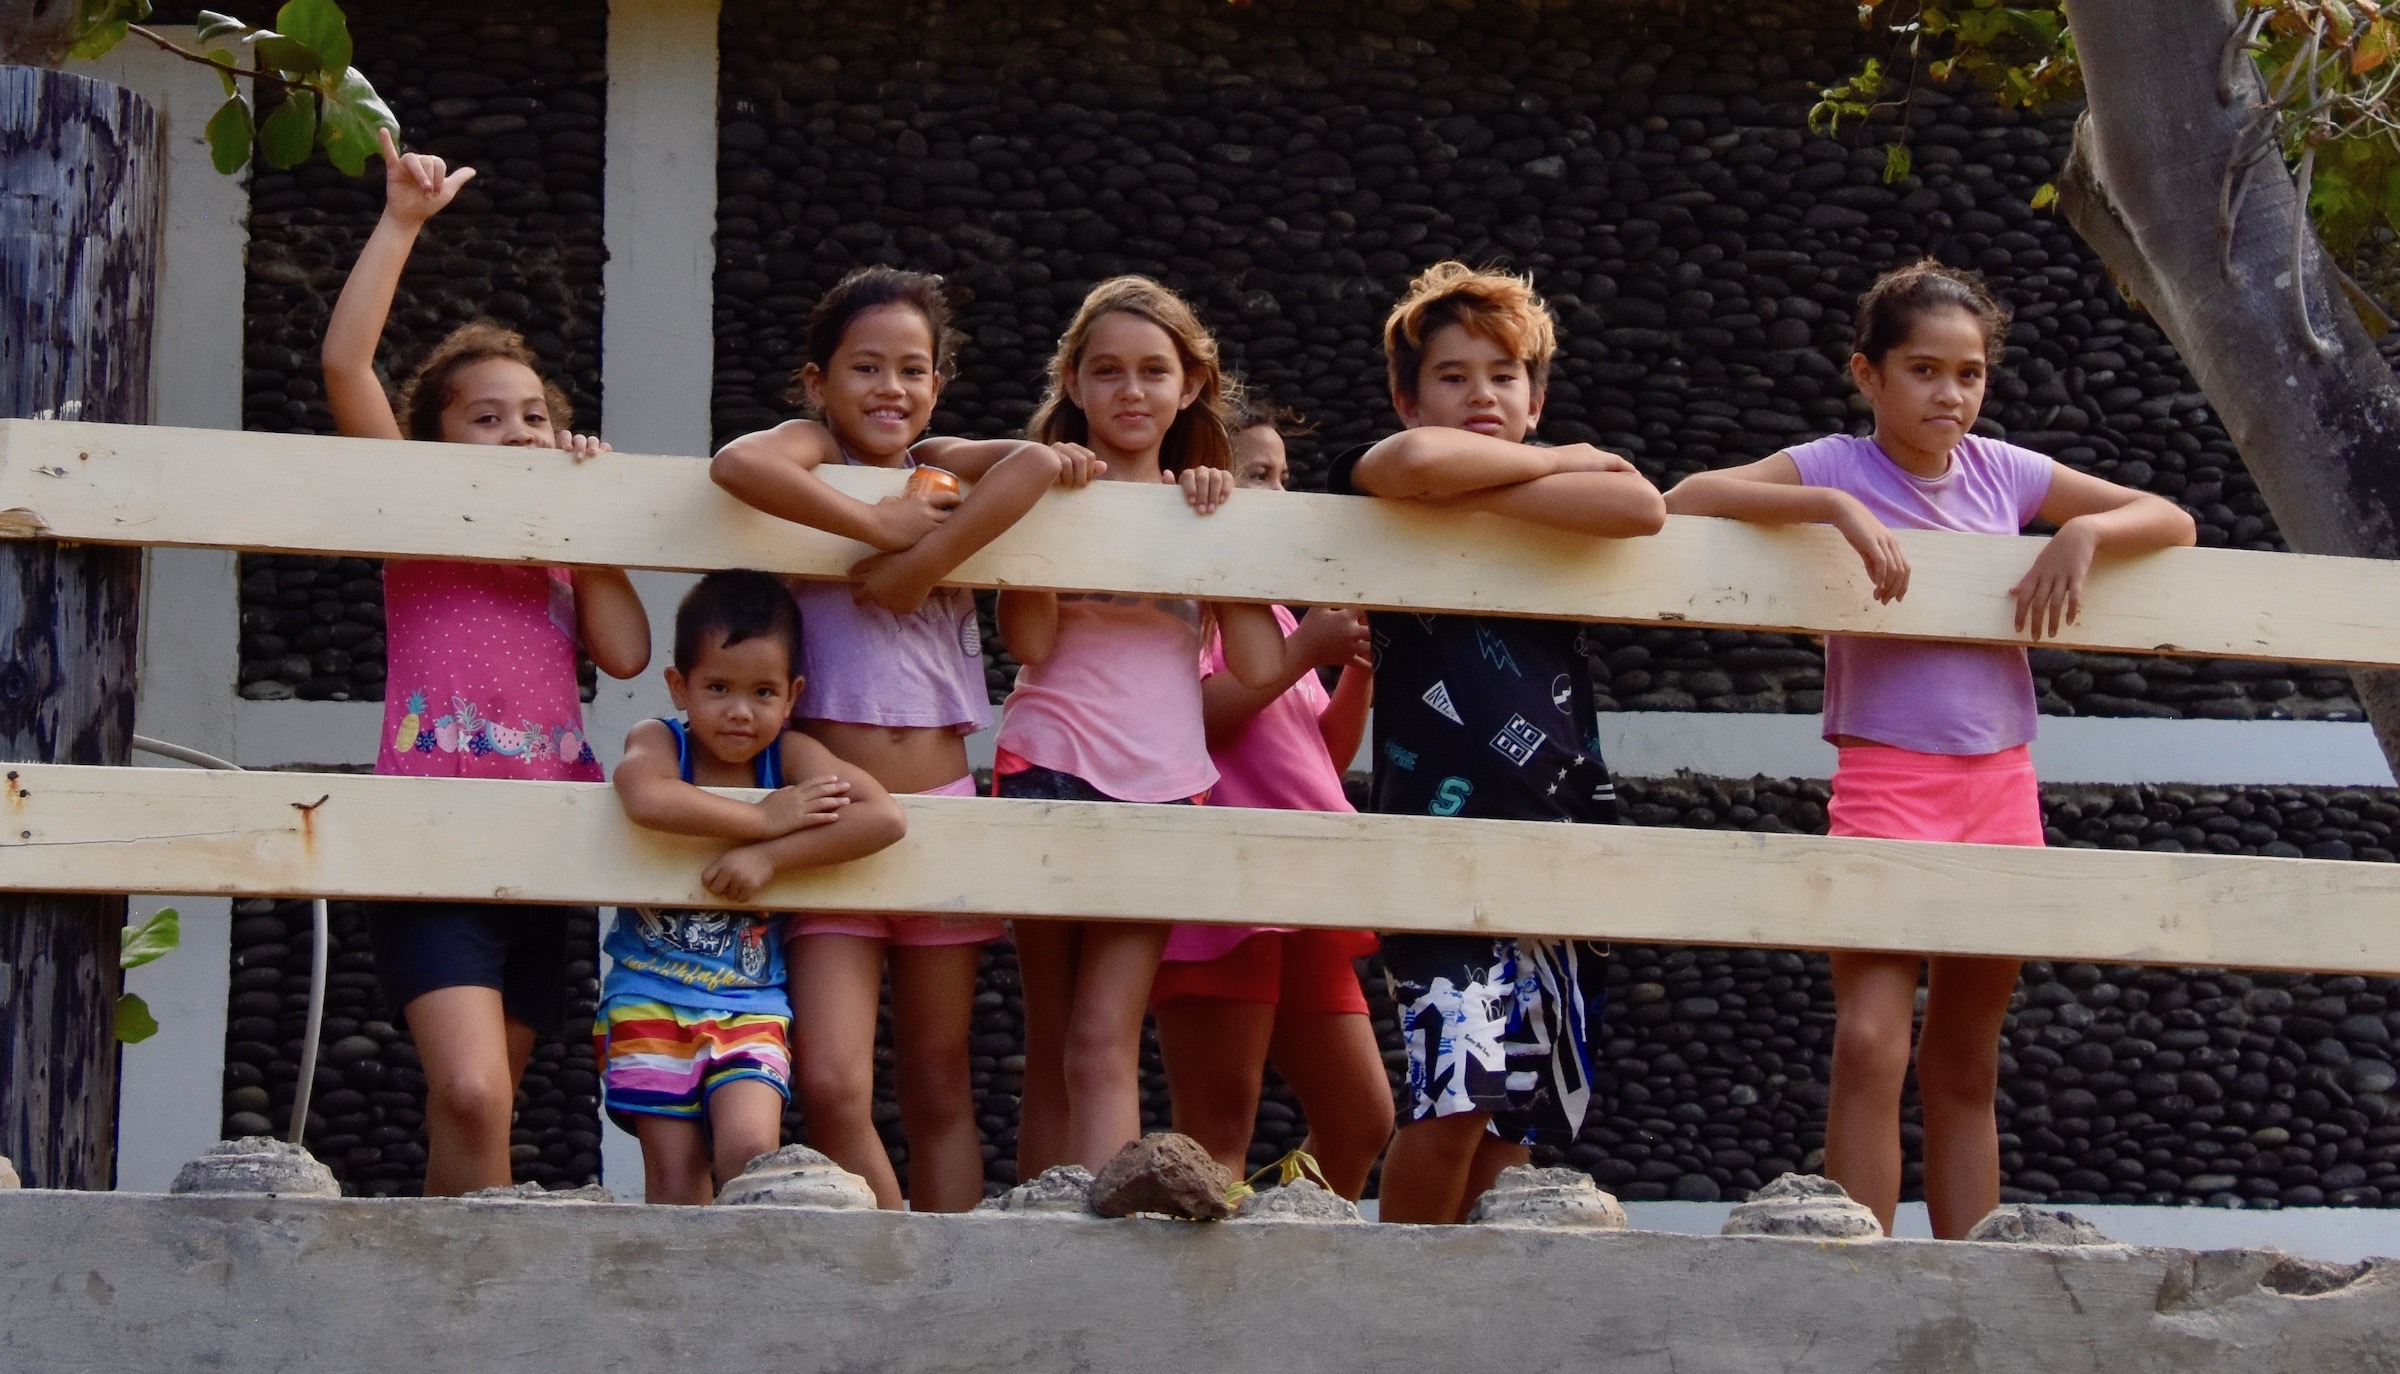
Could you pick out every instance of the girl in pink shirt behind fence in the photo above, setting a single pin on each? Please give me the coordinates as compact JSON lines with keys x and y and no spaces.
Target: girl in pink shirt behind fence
{"x":1108,"y":706}
{"x":481,"y":684}
{"x":895,"y":685}
{"x":1231,"y":999}
{"x":1932,"y":736}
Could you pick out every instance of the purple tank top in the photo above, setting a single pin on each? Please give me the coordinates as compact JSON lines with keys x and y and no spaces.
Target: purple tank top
{"x":866,"y":666}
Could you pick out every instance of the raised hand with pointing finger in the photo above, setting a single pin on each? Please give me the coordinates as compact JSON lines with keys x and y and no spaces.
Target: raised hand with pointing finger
{"x":417,"y":186}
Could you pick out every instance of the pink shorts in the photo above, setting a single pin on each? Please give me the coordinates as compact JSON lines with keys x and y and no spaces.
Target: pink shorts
{"x":1887,"y":793}
{"x":908,"y":931}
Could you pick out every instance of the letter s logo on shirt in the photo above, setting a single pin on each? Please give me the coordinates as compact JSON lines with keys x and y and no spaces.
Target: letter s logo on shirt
{"x":1451,"y":797}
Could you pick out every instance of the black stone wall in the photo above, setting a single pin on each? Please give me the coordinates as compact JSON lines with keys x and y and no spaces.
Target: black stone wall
{"x":1288,"y":165}
{"x":2118,"y":1084}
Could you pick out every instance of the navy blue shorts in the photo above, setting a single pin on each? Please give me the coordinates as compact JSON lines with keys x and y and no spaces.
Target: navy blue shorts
{"x":521,"y":951}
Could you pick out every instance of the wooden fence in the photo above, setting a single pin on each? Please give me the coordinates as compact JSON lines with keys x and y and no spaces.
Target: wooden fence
{"x":153,"y":830}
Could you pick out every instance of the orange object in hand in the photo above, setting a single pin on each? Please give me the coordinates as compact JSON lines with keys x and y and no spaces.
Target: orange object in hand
{"x":925,"y":481}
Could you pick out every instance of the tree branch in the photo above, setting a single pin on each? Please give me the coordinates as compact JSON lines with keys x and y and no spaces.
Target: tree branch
{"x":252,"y":73}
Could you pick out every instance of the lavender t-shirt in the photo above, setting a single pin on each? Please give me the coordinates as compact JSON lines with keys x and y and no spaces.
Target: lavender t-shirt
{"x":1917,"y":694}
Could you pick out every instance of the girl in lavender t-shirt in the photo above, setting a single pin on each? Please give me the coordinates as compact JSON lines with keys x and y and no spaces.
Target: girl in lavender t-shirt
{"x":1932,"y":736}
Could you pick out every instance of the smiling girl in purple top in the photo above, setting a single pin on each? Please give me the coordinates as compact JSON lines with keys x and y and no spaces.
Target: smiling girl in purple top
{"x":1932,"y":736}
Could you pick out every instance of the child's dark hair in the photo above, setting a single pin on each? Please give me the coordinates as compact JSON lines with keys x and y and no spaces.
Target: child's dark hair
{"x":736,"y":605}
{"x":1889,"y":311}
{"x":1486,"y":302}
{"x":429,"y":392}
{"x":865,"y":289}
{"x":1247,"y":408}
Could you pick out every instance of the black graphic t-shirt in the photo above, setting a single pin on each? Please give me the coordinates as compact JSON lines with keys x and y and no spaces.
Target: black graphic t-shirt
{"x":1483,"y":716}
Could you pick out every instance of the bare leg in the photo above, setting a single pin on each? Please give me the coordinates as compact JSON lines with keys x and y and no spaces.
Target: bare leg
{"x":1215,"y":1053}
{"x":674,"y":1161}
{"x":834,"y":983}
{"x":1874,"y":1008}
{"x":1958,"y":1074}
{"x":1047,"y":952}
{"x":1336,"y":1069}
{"x":473,"y":1055}
{"x":1492,"y":1154}
{"x":1104,"y":1038}
{"x":1427,"y":1169}
{"x":746,"y":1117}
{"x":933,"y":1005}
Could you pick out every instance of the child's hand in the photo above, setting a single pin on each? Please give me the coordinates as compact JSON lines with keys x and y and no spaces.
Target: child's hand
{"x":580,"y":447}
{"x":902,"y":520}
{"x":1588,"y":458}
{"x":416,"y":186}
{"x":1204,"y":489}
{"x":891,"y":581}
{"x":1078,"y":465}
{"x":1886,"y":564}
{"x":1330,"y":638}
{"x":2052,"y":589}
{"x":738,"y":874}
{"x":801,"y":806}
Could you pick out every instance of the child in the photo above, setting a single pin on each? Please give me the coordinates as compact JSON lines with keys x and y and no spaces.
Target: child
{"x":1488,"y":717}
{"x":1932,"y":736}
{"x":482,"y":684}
{"x":690,"y":1029}
{"x":1230,"y":999}
{"x":1108,"y":706}
{"x":895,"y":686}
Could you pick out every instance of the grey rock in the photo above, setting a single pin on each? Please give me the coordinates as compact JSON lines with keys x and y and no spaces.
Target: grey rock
{"x":797,"y":1176}
{"x":1299,"y":1200}
{"x":2017,"y":1223}
{"x":1164,"y":1173}
{"x":1803,"y":1205}
{"x":1527,"y":1196}
{"x":534,"y":1192}
{"x":1061,"y":1190}
{"x":256,"y":1164}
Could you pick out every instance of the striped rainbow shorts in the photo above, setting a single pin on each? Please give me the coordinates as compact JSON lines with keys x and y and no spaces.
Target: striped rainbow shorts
{"x":665,"y":1060}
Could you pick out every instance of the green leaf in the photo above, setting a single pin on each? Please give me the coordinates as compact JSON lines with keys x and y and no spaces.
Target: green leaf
{"x":291,"y":132}
{"x":289,"y":56}
{"x":2045,"y":195}
{"x":351,"y":114}
{"x":96,"y":42}
{"x":213,"y":26}
{"x":229,"y":133}
{"x":152,"y":938}
{"x":134,"y":1021}
{"x":320,"y":25}
{"x":1897,"y":160}
{"x":227,"y":64}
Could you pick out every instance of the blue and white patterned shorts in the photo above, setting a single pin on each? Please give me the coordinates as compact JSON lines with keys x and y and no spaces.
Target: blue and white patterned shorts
{"x":1499,"y":1025}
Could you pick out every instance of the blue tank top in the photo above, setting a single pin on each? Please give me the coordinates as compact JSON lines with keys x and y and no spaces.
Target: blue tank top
{"x":698,"y":959}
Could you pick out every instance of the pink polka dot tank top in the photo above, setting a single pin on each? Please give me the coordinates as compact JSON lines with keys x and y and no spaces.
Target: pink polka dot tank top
{"x":482,"y":673}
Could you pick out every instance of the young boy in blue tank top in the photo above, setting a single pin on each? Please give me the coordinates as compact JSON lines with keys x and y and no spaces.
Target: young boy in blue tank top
{"x":692,"y":1031}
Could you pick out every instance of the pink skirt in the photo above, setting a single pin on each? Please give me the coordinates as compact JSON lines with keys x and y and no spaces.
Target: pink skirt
{"x":1888,"y":793}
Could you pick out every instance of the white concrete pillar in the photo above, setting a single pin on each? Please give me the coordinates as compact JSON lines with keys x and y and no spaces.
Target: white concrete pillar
{"x":190,"y":631}
{"x":657,"y":333}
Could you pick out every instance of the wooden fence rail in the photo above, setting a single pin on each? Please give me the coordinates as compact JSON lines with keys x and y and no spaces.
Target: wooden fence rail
{"x":65,"y":828}
{"x":285,"y":493}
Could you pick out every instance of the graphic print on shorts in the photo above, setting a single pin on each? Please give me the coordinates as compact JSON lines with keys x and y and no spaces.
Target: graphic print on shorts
{"x":1497,"y":1026}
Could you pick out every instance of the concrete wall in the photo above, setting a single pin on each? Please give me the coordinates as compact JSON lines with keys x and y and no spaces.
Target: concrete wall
{"x":412,"y":1287}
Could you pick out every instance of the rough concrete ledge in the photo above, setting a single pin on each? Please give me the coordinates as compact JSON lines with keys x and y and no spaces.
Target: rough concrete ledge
{"x":117,"y":1282}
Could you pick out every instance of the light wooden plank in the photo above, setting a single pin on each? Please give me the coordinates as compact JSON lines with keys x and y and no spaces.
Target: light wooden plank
{"x":345,"y":835}
{"x":117,"y":484}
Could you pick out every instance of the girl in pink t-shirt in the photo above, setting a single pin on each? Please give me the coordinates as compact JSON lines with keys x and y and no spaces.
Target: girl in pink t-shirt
{"x":481,"y":684}
{"x":1932,"y":736}
{"x":1108,"y":705}
{"x":895,"y":685}
{"x":1231,"y":999}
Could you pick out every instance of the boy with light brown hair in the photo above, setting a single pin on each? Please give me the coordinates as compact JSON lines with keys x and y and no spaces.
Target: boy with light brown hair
{"x":1487,"y":717}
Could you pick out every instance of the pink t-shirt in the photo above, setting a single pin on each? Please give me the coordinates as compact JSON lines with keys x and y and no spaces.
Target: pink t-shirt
{"x":481,"y":684}
{"x":1279,"y":762}
{"x":1117,"y":704}
{"x":1931,"y":697}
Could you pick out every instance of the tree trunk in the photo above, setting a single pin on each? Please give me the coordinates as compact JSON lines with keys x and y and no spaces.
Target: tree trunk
{"x":79,"y":245}
{"x":37,"y":32}
{"x":2258,"y":314}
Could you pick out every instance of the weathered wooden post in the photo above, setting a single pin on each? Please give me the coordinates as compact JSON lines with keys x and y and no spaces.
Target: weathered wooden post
{"x":79,"y":249}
